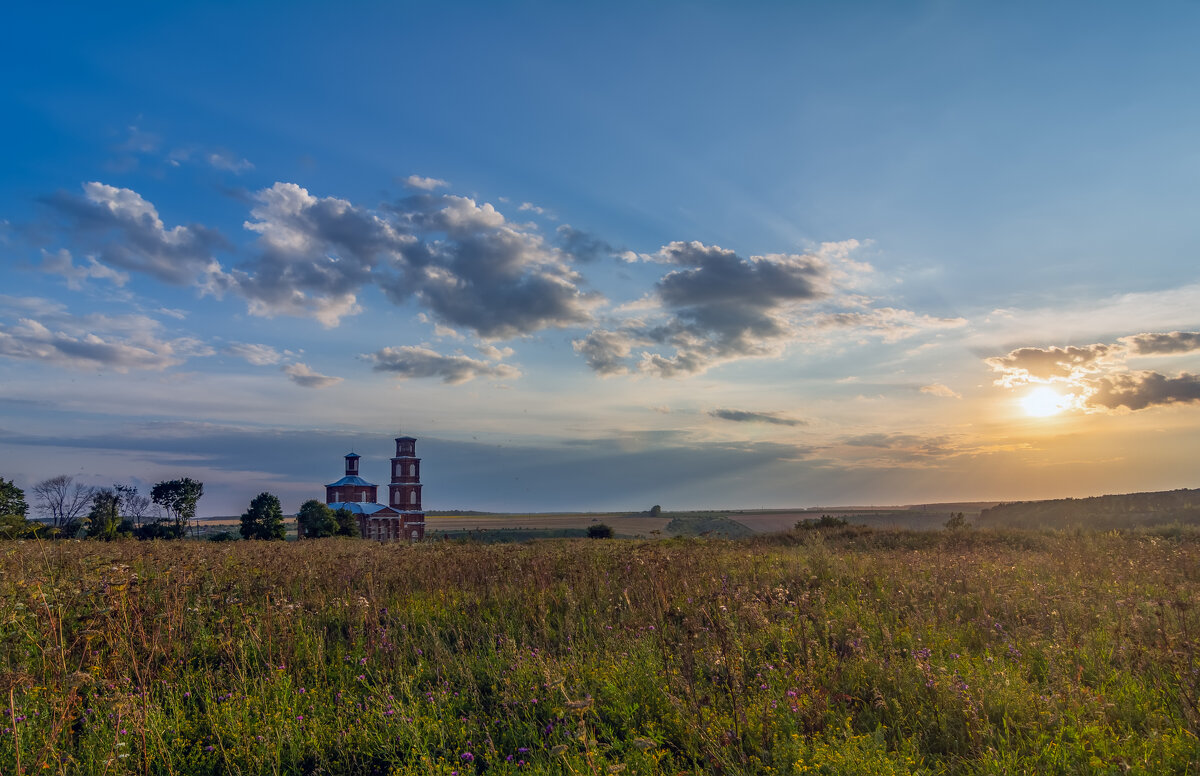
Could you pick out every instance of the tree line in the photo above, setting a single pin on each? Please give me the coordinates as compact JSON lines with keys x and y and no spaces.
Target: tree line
{"x":70,"y":509}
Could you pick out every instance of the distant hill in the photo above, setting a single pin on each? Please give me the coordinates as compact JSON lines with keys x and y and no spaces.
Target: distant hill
{"x":1127,"y":510}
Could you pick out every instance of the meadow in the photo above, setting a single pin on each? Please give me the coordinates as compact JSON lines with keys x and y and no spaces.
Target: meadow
{"x":848,"y":651}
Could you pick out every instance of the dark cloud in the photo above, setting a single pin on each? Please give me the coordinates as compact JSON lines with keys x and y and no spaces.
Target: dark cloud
{"x":303,"y":376}
{"x":409,"y":361}
{"x":583,"y":246}
{"x":1170,"y":343}
{"x":473,"y":269}
{"x":124,"y":231}
{"x":720,"y":306}
{"x":1139,"y":390}
{"x":461,"y":260}
{"x":744,"y":416}
{"x":316,"y":253}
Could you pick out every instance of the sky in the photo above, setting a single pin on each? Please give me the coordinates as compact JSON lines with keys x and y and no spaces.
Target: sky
{"x":600,"y":256}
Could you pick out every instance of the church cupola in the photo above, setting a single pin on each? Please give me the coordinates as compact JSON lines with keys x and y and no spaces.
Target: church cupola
{"x":352,"y":464}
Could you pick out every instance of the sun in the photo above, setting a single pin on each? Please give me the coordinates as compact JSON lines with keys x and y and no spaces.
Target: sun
{"x":1044,"y":401}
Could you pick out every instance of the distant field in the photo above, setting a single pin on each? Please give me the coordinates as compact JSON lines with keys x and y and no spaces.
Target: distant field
{"x":641,"y":525}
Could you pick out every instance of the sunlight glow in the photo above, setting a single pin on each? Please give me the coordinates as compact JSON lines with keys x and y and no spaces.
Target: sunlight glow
{"x":1044,"y":401}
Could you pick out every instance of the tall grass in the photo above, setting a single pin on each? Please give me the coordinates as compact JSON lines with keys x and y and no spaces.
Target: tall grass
{"x":846,"y":652}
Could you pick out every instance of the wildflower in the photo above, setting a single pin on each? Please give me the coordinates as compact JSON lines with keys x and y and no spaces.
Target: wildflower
{"x":467,"y":757}
{"x":558,"y":749}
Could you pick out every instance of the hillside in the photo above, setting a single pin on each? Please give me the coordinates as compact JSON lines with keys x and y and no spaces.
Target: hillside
{"x":1127,"y":510}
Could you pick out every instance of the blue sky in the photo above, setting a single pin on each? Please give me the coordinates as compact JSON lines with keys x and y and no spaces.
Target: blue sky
{"x":601,"y":256}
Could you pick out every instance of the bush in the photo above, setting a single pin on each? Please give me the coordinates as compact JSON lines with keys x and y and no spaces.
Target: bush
{"x":600,"y":531}
{"x":824,"y":521}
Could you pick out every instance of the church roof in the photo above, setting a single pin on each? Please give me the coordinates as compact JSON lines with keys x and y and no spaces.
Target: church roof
{"x":351,"y":479}
{"x":360,"y":507}
{"x":354,"y":455}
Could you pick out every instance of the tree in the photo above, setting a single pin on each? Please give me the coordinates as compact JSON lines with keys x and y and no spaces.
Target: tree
{"x":655,"y":510}
{"x":178,"y":498}
{"x":12,"y":499}
{"x":316,"y":520}
{"x":600,"y":531}
{"x":346,"y":521}
{"x":957,"y":522}
{"x":63,"y":500}
{"x":104,"y":521}
{"x":264,"y":518}
{"x":134,"y":505}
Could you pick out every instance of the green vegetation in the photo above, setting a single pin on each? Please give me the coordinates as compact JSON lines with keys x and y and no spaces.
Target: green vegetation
{"x":824,"y":521}
{"x":715,"y":525}
{"x":264,"y":518}
{"x":600,"y":531}
{"x":1122,"y":511}
{"x":843,"y":652}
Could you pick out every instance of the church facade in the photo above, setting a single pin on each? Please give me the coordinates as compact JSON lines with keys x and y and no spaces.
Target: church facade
{"x":401,"y":518}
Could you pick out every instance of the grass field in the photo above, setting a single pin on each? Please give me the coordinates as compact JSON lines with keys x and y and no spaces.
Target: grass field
{"x":844,"y":652}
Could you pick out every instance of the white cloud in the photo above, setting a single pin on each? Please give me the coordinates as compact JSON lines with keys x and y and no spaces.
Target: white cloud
{"x":424,"y":184}
{"x":61,"y":263}
{"x":258,"y":355}
{"x":943,"y":391}
{"x":121,"y":343}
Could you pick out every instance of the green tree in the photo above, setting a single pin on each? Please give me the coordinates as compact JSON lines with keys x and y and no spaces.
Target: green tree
{"x":264,"y":518}
{"x":347,"y":522}
{"x":12,"y":499}
{"x":600,"y":531}
{"x":655,"y":510}
{"x":178,"y":498}
{"x":957,"y":521}
{"x":104,"y":521}
{"x":316,"y":520}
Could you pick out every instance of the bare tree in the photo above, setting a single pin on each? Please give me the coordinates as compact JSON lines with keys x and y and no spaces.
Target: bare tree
{"x":63,"y":500}
{"x":134,"y":505}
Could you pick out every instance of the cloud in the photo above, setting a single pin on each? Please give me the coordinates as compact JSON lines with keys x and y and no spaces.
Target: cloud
{"x":530,"y":207}
{"x":459,"y":259}
{"x":305,"y":377}
{"x":943,"y":391}
{"x":222,"y":159}
{"x":1098,"y":376}
{"x":743,"y":416}
{"x":61,"y":263}
{"x":124,"y":231}
{"x":424,"y":184}
{"x":315,"y":254}
{"x":119,"y":343}
{"x":582,"y":246}
{"x":717,"y":306}
{"x":1030,"y":364}
{"x":258,"y":355}
{"x":1139,"y":390}
{"x":1170,"y":343}
{"x":410,"y":361}
{"x":887,"y":323}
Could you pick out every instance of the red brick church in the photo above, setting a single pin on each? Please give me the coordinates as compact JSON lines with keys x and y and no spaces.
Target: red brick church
{"x":401,"y":519}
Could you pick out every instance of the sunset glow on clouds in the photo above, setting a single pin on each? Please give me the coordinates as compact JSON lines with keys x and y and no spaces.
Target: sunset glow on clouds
{"x":718,"y":270}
